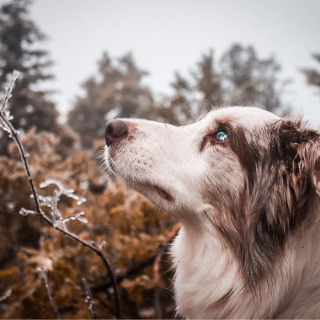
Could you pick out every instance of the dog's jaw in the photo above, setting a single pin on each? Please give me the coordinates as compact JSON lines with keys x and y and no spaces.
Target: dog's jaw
{"x":141,"y":163}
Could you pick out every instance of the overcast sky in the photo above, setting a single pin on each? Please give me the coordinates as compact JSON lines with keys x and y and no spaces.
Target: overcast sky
{"x":170,"y":35}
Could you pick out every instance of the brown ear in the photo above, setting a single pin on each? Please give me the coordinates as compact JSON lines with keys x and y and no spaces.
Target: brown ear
{"x":299,"y":148}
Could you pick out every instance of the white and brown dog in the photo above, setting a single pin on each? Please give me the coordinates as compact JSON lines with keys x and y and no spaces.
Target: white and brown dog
{"x":244,"y":183}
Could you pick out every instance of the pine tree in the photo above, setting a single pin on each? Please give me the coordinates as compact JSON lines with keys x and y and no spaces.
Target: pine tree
{"x":116,"y":91}
{"x":181,"y":102}
{"x":249,"y":80}
{"x":208,"y":82}
{"x":19,"y":50}
{"x":313,"y":75}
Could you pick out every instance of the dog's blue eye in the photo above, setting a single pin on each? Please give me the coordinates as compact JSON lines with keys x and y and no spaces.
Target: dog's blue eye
{"x":221,"y":136}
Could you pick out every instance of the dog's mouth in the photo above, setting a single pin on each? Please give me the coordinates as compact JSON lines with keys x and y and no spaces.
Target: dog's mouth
{"x":163,"y":194}
{"x":150,"y":190}
{"x":145,"y":188}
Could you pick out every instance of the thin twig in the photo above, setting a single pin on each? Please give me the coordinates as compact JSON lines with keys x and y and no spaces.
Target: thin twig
{"x":93,"y":247}
{"x":138,"y":266}
{"x":132,"y":271}
{"x":157,"y":303}
{"x":6,"y":295}
{"x":89,"y":299}
{"x":52,"y":301}
{"x":9,"y":90}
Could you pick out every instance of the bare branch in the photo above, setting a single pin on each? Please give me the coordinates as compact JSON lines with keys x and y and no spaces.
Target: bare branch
{"x":24,"y":157}
{"x":89,"y":299}
{"x":9,"y":90}
{"x":52,"y":301}
{"x":134,"y":270}
{"x":6,"y":295}
{"x":137,"y":267}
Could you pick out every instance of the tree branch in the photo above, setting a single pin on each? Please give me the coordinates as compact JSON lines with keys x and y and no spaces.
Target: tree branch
{"x":93,"y":247}
{"x":52,"y":301}
{"x":89,"y":299}
{"x":132,"y":271}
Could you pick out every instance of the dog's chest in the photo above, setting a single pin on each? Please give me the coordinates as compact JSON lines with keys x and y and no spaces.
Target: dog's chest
{"x":206,"y":280}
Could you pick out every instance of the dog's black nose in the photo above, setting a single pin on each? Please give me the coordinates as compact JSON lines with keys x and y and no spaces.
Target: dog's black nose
{"x":115,"y":130}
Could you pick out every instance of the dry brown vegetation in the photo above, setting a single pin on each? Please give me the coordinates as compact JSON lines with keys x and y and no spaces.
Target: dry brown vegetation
{"x":132,"y":232}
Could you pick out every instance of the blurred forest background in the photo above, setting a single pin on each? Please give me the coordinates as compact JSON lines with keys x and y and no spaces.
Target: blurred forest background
{"x":136,"y":233}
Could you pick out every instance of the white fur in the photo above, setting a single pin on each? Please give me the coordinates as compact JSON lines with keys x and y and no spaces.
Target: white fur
{"x":168,"y":157}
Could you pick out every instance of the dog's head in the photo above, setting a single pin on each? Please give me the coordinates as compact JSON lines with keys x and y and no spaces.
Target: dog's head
{"x":242,"y":171}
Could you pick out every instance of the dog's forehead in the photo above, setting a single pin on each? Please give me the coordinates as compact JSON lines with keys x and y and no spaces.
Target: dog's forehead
{"x":245,"y":117}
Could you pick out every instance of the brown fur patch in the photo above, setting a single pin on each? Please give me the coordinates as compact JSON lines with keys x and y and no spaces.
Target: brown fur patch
{"x":223,"y":300}
{"x":259,"y":219}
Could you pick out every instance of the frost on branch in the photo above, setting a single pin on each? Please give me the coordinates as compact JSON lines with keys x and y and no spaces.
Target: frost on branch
{"x":51,"y":202}
{"x":52,"y":301}
{"x":8,"y":90}
{"x":62,"y":190}
{"x":89,"y":299}
{"x":25,"y":212}
{"x":78,"y":216}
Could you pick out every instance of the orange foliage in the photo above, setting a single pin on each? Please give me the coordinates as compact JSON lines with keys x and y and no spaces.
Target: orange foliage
{"x":131,"y":227}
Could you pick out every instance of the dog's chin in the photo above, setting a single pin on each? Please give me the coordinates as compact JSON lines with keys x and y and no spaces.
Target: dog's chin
{"x":156,"y":194}
{"x":151,"y":190}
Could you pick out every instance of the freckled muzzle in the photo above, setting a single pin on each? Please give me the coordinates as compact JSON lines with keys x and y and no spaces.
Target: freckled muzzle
{"x":135,"y":163}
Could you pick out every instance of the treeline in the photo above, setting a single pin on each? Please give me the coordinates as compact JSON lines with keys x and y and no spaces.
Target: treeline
{"x":239,"y":77}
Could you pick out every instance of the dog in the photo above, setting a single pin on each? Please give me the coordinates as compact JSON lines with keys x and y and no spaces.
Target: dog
{"x":245,"y":185}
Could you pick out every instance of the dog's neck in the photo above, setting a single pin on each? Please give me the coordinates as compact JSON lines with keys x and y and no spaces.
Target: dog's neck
{"x":208,"y":281}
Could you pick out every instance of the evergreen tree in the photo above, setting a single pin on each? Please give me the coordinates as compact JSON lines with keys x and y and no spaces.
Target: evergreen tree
{"x":19,"y":39}
{"x":181,"y":102}
{"x":208,"y":82}
{"x":249,"y":80}
{"x":313,"y":75}
{"x":116,"y":91}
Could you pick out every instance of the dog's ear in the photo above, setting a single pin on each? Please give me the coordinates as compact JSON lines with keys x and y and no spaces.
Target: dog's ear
{"x":299,"y":149}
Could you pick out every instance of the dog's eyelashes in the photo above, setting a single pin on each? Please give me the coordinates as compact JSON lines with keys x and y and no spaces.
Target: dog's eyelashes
{"x":221,"y":136}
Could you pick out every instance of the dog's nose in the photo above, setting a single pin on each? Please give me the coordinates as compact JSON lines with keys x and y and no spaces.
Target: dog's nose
{"x":115,"y":130}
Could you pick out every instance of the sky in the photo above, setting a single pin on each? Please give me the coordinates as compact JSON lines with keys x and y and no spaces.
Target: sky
{"x":167,"y":36}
